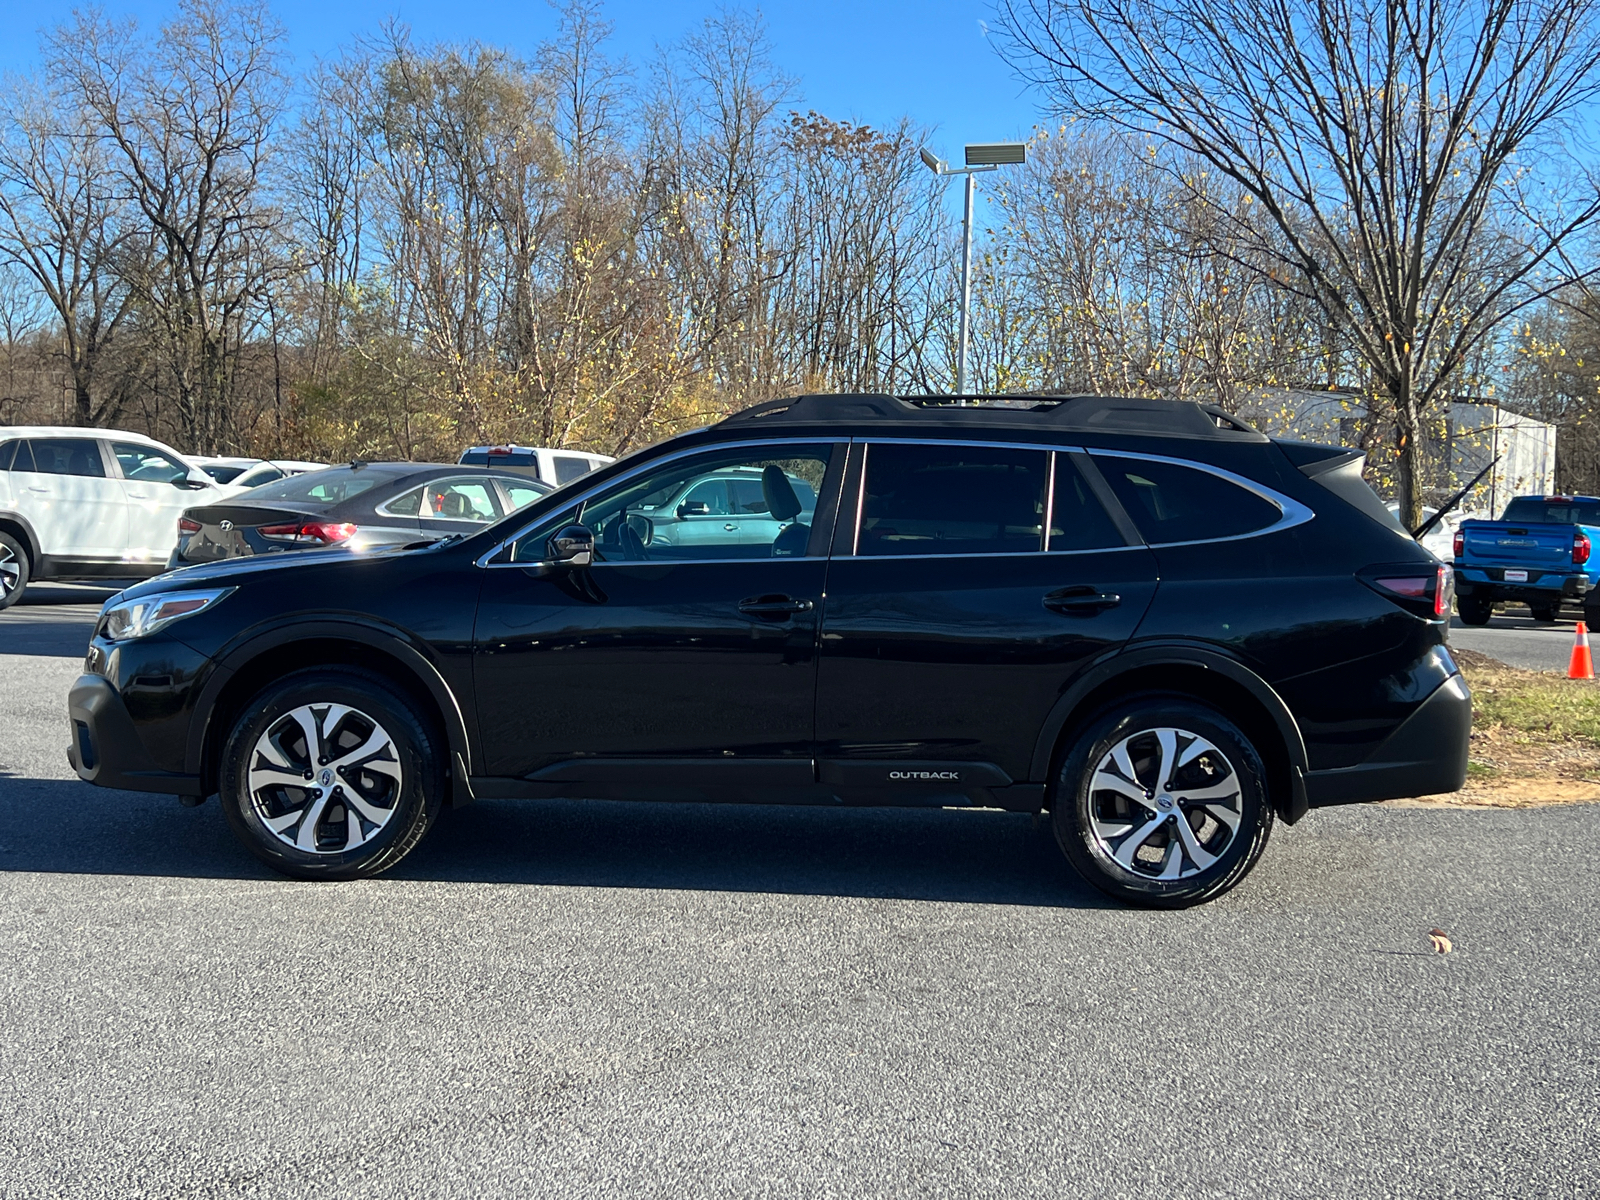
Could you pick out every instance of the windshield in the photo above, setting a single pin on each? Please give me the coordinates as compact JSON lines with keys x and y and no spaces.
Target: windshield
{"x":1536,"y":510}
{"x":332,"y":486}
{"x":221,"y":473}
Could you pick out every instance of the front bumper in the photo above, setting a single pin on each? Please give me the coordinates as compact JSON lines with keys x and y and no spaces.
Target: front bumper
{"x":105,"y":748}
{"x":1424,"y":756}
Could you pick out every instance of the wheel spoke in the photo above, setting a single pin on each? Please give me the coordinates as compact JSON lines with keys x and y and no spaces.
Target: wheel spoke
{"x":1194,"y":750}
{"x":1167,"y":739}
{"x":378,"y":741}
{"x":1129,"y":845}
{"x":1198,"y":854}
{"x":1217,"y":791}
{"x":1224,"y":814}
{"x":306,"y":836}
{"x":308,"y":728}
{"x":285,"y":822}
{"x":1172,"y":868}
{"x":1109,"y":781}
{"x":370,"y":811}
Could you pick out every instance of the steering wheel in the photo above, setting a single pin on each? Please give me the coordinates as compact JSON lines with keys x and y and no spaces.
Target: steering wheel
{"x":621,"y":537}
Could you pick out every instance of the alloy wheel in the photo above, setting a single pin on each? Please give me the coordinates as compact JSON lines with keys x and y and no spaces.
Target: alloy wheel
{"x":10,"y":571}
{"x":1165,"y":803}
{"x":325,"y":778}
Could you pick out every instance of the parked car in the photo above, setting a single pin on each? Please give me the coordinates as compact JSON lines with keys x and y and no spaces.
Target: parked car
{"x":1540,"y":551}
{"x":360,"y":507}
{"x":1161,"y":626}
{"x":555,"y":467}
{"x":242,"y":474}
{"x":708,"y":509}
{"x":89,"y":505}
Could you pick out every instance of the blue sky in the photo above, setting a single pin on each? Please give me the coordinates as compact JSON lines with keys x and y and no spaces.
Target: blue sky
{"x":859,"y":60}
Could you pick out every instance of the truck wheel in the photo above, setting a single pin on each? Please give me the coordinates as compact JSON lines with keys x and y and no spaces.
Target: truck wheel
{"x":1544,"y":612}
{"x":332,"y":774}
{"x":1162,"y":802}
{"x":1473,"y":610}
{"x":13,"y":570}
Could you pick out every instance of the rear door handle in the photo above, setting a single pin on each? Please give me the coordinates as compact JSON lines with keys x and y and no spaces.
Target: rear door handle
{"x":730,"y":528}
{"x":41,"y":491}
{"x":1080,"y":601}
{"x":773,"y":606}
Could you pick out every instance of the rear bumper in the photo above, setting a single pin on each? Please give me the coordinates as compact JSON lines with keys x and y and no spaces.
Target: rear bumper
{"x":1426,"y":755}
{"x":105,"y":749}
{"x":1489,"y":583}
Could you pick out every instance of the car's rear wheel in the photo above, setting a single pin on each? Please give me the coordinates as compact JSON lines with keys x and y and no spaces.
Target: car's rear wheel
{"x":331,"y":774}
{"x":13,"y":570}
{"x":1474,"y":610}
{"x":1162,"y":802}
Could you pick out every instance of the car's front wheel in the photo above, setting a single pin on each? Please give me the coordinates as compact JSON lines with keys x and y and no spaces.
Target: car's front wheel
{"x":13,"y":570}
{"x":331,"y":774}
{"x":1162,"y":802}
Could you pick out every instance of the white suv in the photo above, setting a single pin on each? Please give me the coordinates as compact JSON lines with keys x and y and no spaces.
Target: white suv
{"x":90,"y":504}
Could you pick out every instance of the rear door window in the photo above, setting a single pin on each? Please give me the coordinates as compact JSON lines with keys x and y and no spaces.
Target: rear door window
{"x":1170,"y":502}
{"x":1078,"y":520}
{"x":460,"y":500}
{"x":932,"y":499}
{"x":67,"y":456}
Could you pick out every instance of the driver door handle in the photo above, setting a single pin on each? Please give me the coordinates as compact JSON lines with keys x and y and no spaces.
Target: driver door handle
{"x":730,"y":527}
{"x":773,"y":606}
{"x":1080,"y":601}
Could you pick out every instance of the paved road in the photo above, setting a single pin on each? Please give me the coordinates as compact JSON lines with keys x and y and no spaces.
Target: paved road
{"x":562,"y":999}
{"x":52,"y":619}
{"x":1520,"y":641}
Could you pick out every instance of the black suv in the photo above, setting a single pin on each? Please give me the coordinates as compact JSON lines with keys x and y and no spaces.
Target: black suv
{"x":1141,"y":615}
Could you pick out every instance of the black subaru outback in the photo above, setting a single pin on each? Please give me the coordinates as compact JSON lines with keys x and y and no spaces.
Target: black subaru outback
{"x":1140,"y":615}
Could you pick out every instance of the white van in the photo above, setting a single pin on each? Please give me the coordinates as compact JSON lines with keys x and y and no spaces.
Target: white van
{"x":90,"y":504}
{"x":554,"y":467}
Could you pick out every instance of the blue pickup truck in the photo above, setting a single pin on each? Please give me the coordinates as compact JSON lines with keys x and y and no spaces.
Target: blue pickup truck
{"x":1538,"y":552}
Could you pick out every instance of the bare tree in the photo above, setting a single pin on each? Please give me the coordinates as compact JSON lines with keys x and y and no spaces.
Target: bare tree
{"x":1404,"y":158}
{"x":187,"y":123}
{"x":63,"y":223}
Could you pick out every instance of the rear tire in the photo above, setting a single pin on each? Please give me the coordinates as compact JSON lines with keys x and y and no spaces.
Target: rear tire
{"x":348,"y":807}
{"x":1474,"y":611}
{"x":1162,"y":802}
{"x":13,"y":570}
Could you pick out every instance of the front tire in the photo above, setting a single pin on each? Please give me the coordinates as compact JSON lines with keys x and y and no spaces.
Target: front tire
{"x":1162,"y":803}
{"x":331,"y":774}
{"x":1545,"y":614}
{"x":1474,"y":611}
{"x":13,"y":570}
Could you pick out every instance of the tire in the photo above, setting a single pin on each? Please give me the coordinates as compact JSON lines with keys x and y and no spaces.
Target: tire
{"x":13,"y":570}
{"x":271,"y":787}
{"x":1545,"y":613}
{"x":1474,"y":611}
{"x":1591,"y":615}
{"x":1126,"y":839}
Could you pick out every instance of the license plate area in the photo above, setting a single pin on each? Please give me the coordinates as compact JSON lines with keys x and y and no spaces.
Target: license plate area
{"x":1516,"y":577}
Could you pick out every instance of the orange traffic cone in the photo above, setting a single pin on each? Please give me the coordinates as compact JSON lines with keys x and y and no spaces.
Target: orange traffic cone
{"x":1581,"y":666}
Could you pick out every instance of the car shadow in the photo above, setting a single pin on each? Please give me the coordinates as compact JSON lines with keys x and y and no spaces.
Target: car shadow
{"x":69,"y":827}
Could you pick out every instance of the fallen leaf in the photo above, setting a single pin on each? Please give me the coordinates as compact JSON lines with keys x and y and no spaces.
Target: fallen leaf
{"x":1441,"y":941}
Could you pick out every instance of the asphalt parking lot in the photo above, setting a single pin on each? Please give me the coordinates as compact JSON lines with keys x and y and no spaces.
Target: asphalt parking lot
{"x":583,"y":999}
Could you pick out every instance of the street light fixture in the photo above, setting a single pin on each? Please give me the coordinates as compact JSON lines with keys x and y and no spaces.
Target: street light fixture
{"x":985,"y":156}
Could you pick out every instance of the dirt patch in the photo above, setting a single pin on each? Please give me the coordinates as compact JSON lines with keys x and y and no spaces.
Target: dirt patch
{"x":1535,"y":739}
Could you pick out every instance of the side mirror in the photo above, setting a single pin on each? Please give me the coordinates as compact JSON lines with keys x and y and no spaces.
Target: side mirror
{"x":192,"y":484}
{"x":572,"y":546}
{"x":694,"y":508}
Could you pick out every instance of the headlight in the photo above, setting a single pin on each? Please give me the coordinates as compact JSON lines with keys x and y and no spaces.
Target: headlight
{"x":143,"y":616}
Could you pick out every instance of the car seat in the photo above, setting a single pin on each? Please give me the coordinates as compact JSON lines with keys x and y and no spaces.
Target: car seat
{"x":784,"y":505}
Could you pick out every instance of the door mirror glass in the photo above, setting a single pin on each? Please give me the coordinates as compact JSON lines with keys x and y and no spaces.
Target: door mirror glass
{"x":572,"y":546}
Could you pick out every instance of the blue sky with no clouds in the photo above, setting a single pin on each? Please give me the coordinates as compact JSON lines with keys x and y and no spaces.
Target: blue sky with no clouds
{"x":858,"y":60}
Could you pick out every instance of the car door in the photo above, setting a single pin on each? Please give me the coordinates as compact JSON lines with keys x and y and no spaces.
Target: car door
{"x":76,"y":508}
{"x":156,"y":487}
{"x":976,"y":585}
{"x":662,"y":661}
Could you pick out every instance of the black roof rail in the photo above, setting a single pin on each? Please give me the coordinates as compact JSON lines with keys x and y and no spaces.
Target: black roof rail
{"x":1108,"y":414}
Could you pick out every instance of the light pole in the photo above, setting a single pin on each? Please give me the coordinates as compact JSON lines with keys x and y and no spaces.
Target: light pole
{"x":987,"y":156}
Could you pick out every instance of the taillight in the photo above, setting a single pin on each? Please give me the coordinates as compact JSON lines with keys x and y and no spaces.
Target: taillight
{"x":1580,"y":549}
{"x":1458,"y":545}
{"x":1426,"y":593}
{"x":309,"y":533}
{"x":185,"y":525}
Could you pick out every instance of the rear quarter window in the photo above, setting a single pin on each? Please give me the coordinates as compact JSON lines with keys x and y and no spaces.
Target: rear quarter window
{"x":1170,"y":502}
{"x":8,"y":451}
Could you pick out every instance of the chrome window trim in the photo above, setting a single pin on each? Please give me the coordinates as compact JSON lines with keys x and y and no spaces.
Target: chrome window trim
{"x":1049,"y":503}
{"x":1292,"y":511}
{"x":483,"y":560}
